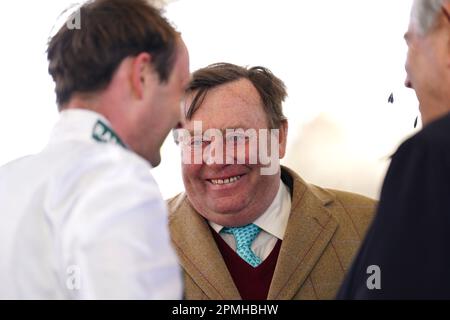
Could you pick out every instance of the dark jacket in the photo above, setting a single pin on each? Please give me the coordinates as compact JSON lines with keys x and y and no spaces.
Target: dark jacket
{"x":409,"y":239}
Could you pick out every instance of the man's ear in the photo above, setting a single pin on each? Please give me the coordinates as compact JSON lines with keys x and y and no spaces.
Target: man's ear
{"x":140,"y":72}
{"x":283,"y":138}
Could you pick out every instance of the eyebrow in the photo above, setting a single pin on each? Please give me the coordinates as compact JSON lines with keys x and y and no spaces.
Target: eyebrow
{"x":224,"y":130}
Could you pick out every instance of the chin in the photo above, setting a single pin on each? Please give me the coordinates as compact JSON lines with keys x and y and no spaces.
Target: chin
{"x":233,"y":219}
{"x":228,"y":206}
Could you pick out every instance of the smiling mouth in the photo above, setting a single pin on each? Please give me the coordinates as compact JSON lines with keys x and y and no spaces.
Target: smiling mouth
{"x":225,"y":181}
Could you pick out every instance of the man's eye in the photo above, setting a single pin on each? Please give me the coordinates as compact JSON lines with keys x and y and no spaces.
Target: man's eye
{"x":236,"y":138}
{"x":196,"y":142}
{"x":200,"y":142}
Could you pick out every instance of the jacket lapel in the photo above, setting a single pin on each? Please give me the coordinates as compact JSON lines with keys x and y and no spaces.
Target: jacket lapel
{"x":198,"y":252}
{"x":310,"y":229}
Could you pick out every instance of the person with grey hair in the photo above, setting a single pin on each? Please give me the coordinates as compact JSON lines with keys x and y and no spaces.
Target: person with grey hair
{"x":406,"y":252}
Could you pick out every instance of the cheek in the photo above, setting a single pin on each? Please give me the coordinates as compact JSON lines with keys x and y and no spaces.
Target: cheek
{"x":250,"y":153}
{"x":170,"y":103}
{"x":191,"y":175}
{"x":176,"y":105}
{"x":261,"y":185}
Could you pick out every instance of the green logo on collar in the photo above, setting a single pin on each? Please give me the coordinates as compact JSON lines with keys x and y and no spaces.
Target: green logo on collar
{"x":104,"y":134}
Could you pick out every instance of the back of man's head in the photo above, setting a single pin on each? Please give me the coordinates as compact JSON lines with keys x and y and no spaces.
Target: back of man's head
{"x":83,"y":60}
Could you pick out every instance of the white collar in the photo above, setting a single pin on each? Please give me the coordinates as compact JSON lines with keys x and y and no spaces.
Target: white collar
{"x":274,"y":220}
{"x":85,"y":125}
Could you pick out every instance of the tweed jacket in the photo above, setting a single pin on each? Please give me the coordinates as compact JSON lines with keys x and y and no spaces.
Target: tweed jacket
{"x":323,"y":234}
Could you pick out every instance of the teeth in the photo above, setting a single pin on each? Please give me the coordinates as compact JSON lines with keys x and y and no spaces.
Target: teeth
{"x":225,"y":181}
{"x":233,"y":179}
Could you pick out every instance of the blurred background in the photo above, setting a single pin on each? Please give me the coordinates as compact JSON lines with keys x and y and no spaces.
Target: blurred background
{"x":340,"y":60}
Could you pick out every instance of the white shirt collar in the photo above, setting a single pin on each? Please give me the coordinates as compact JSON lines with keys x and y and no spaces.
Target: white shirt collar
{"x":274,"y":220}
{"x":82,"y":124}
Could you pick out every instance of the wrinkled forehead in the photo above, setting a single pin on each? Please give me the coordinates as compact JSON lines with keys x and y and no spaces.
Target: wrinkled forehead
{"x":235,"y":104}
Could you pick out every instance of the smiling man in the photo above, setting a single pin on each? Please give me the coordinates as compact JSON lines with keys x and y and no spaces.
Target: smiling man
{"x":241,"y":231}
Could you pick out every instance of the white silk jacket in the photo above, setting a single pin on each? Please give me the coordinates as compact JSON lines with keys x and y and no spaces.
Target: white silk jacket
{"x":84,"y":219}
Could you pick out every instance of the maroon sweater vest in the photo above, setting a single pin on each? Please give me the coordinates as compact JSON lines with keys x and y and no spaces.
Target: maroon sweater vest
{"x":252,"y":283}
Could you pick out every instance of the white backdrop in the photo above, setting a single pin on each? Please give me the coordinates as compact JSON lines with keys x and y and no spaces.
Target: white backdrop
{"x":339,"y":59}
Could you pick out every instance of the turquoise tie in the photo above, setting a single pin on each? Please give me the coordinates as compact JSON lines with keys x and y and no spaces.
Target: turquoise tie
{"x":244,"y":237}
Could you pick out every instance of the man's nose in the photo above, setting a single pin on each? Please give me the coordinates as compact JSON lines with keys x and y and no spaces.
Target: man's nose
{"x":219,"y":158}
{"x":408,"y":83}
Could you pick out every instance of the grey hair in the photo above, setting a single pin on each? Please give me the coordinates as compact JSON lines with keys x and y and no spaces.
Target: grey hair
{"x":425,"y":12}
